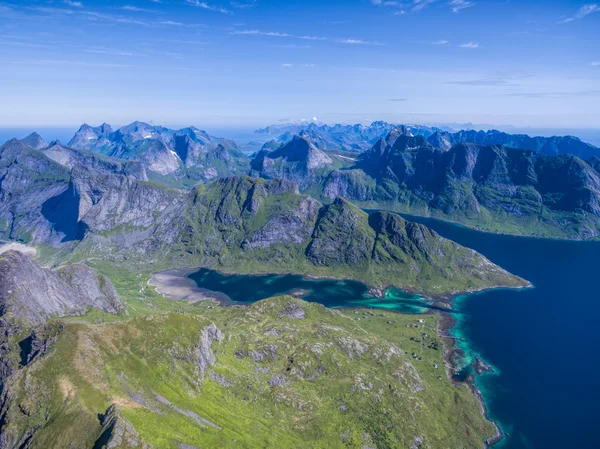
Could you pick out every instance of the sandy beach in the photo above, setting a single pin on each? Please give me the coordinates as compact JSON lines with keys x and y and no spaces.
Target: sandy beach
{"x":176,"y":285}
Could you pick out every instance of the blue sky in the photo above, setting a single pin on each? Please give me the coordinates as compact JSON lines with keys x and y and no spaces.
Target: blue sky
{"x":255,"y":62}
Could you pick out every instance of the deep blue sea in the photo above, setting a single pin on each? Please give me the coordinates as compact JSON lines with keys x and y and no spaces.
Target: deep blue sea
{"x":544,"y":343}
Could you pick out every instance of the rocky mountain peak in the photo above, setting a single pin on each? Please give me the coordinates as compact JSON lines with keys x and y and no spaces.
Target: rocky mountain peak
{"x":34,"y":140}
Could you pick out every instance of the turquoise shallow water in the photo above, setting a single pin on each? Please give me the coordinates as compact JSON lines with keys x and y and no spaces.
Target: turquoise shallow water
{"x":246,"y":289}
{"x":542,"y":342}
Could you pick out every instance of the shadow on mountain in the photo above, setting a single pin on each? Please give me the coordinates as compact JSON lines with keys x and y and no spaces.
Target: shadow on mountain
{"x":63,"y":212}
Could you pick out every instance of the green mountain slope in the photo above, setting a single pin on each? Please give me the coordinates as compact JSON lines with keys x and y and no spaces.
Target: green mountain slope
{"x":251,"y":225}
{"x":280,"y":373}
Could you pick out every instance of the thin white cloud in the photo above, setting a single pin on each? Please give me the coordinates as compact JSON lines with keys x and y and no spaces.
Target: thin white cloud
{"x":109,"y":51}
{"x":349,"y":41}
{"x":136,"y":9}
{"x":469,"y":45}
{"x":555,"y":95}
{"x":262,"y":33}
{"x":595,"y":64}
{"x":208,"y":6}
{"x":459,"y":5}
{"x":72,"y":3}
{"x":418,"y":5}
{"x":359,"y":42}
{"x":403,"y":6}
{"x":585,"y":10}
{"x":440,"y":42}
{"x":286,"y":65}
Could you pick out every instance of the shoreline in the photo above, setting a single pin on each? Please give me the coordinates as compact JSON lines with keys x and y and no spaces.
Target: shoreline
{"x":175,"y":284}
{"x":376,"y":291}
{"x":451,"y":350}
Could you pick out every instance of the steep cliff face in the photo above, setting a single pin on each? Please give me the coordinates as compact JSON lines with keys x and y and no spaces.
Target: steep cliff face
{"x":31,"y":293}
{"x":490,"y":187}
{"x":298,"y":160}
{"x":30,"y":186}
{"x":70,"y":158}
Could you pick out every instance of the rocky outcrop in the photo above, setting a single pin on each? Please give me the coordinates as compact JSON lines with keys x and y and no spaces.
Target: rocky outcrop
{"x":34,"y":294}
{"x":118,"y":433}
{"x":205,"y":356}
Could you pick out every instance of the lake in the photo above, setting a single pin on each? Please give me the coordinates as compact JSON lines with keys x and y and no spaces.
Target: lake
{"x":542,"y":342}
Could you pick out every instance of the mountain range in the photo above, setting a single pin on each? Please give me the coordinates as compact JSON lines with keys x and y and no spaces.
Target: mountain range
{"x":359,"y":138}
{"x":92,"y":357}
{"x":237,"y":223}
{"x":187,"y":153}
{"x":550,"y":146}
{"x":351,"y":138}
{"x":489,"y":187}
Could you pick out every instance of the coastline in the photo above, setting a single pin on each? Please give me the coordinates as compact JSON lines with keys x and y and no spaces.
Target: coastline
{"x":175,"y":283}
{"x":451,"y":351}
{"x":195,"y":293}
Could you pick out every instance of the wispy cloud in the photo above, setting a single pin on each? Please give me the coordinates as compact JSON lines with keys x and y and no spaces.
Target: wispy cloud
{"x":359,"y":42}
{"x":469,"y":45}
{"x":585,"y":10}
{"x":208,"y":6}
{"x":290,"y":46}
{"x":398,"y":99}
{"x":459,"y":5}
{"x":492,"y":80}
{"x":595,"y":64}
{"x":403,"y":6}
{"x":72,"y":3}
{"x":349,"y":41}
{"x":136,"y":9}
{"x":298,"y":65}
{"x":109,"y":51}
{"x":244,"y":4}
{"x":440,"y":42}
{"x":555,"y":95}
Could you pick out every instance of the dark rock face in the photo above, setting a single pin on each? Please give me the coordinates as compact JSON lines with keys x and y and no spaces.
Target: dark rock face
{"x":34,"y":294}
{"x":474,"y":184}
{"x":298,"y":160}
{"x":550,"y":146}
{"x":342,"y":236}
{"x":28,"y":180}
